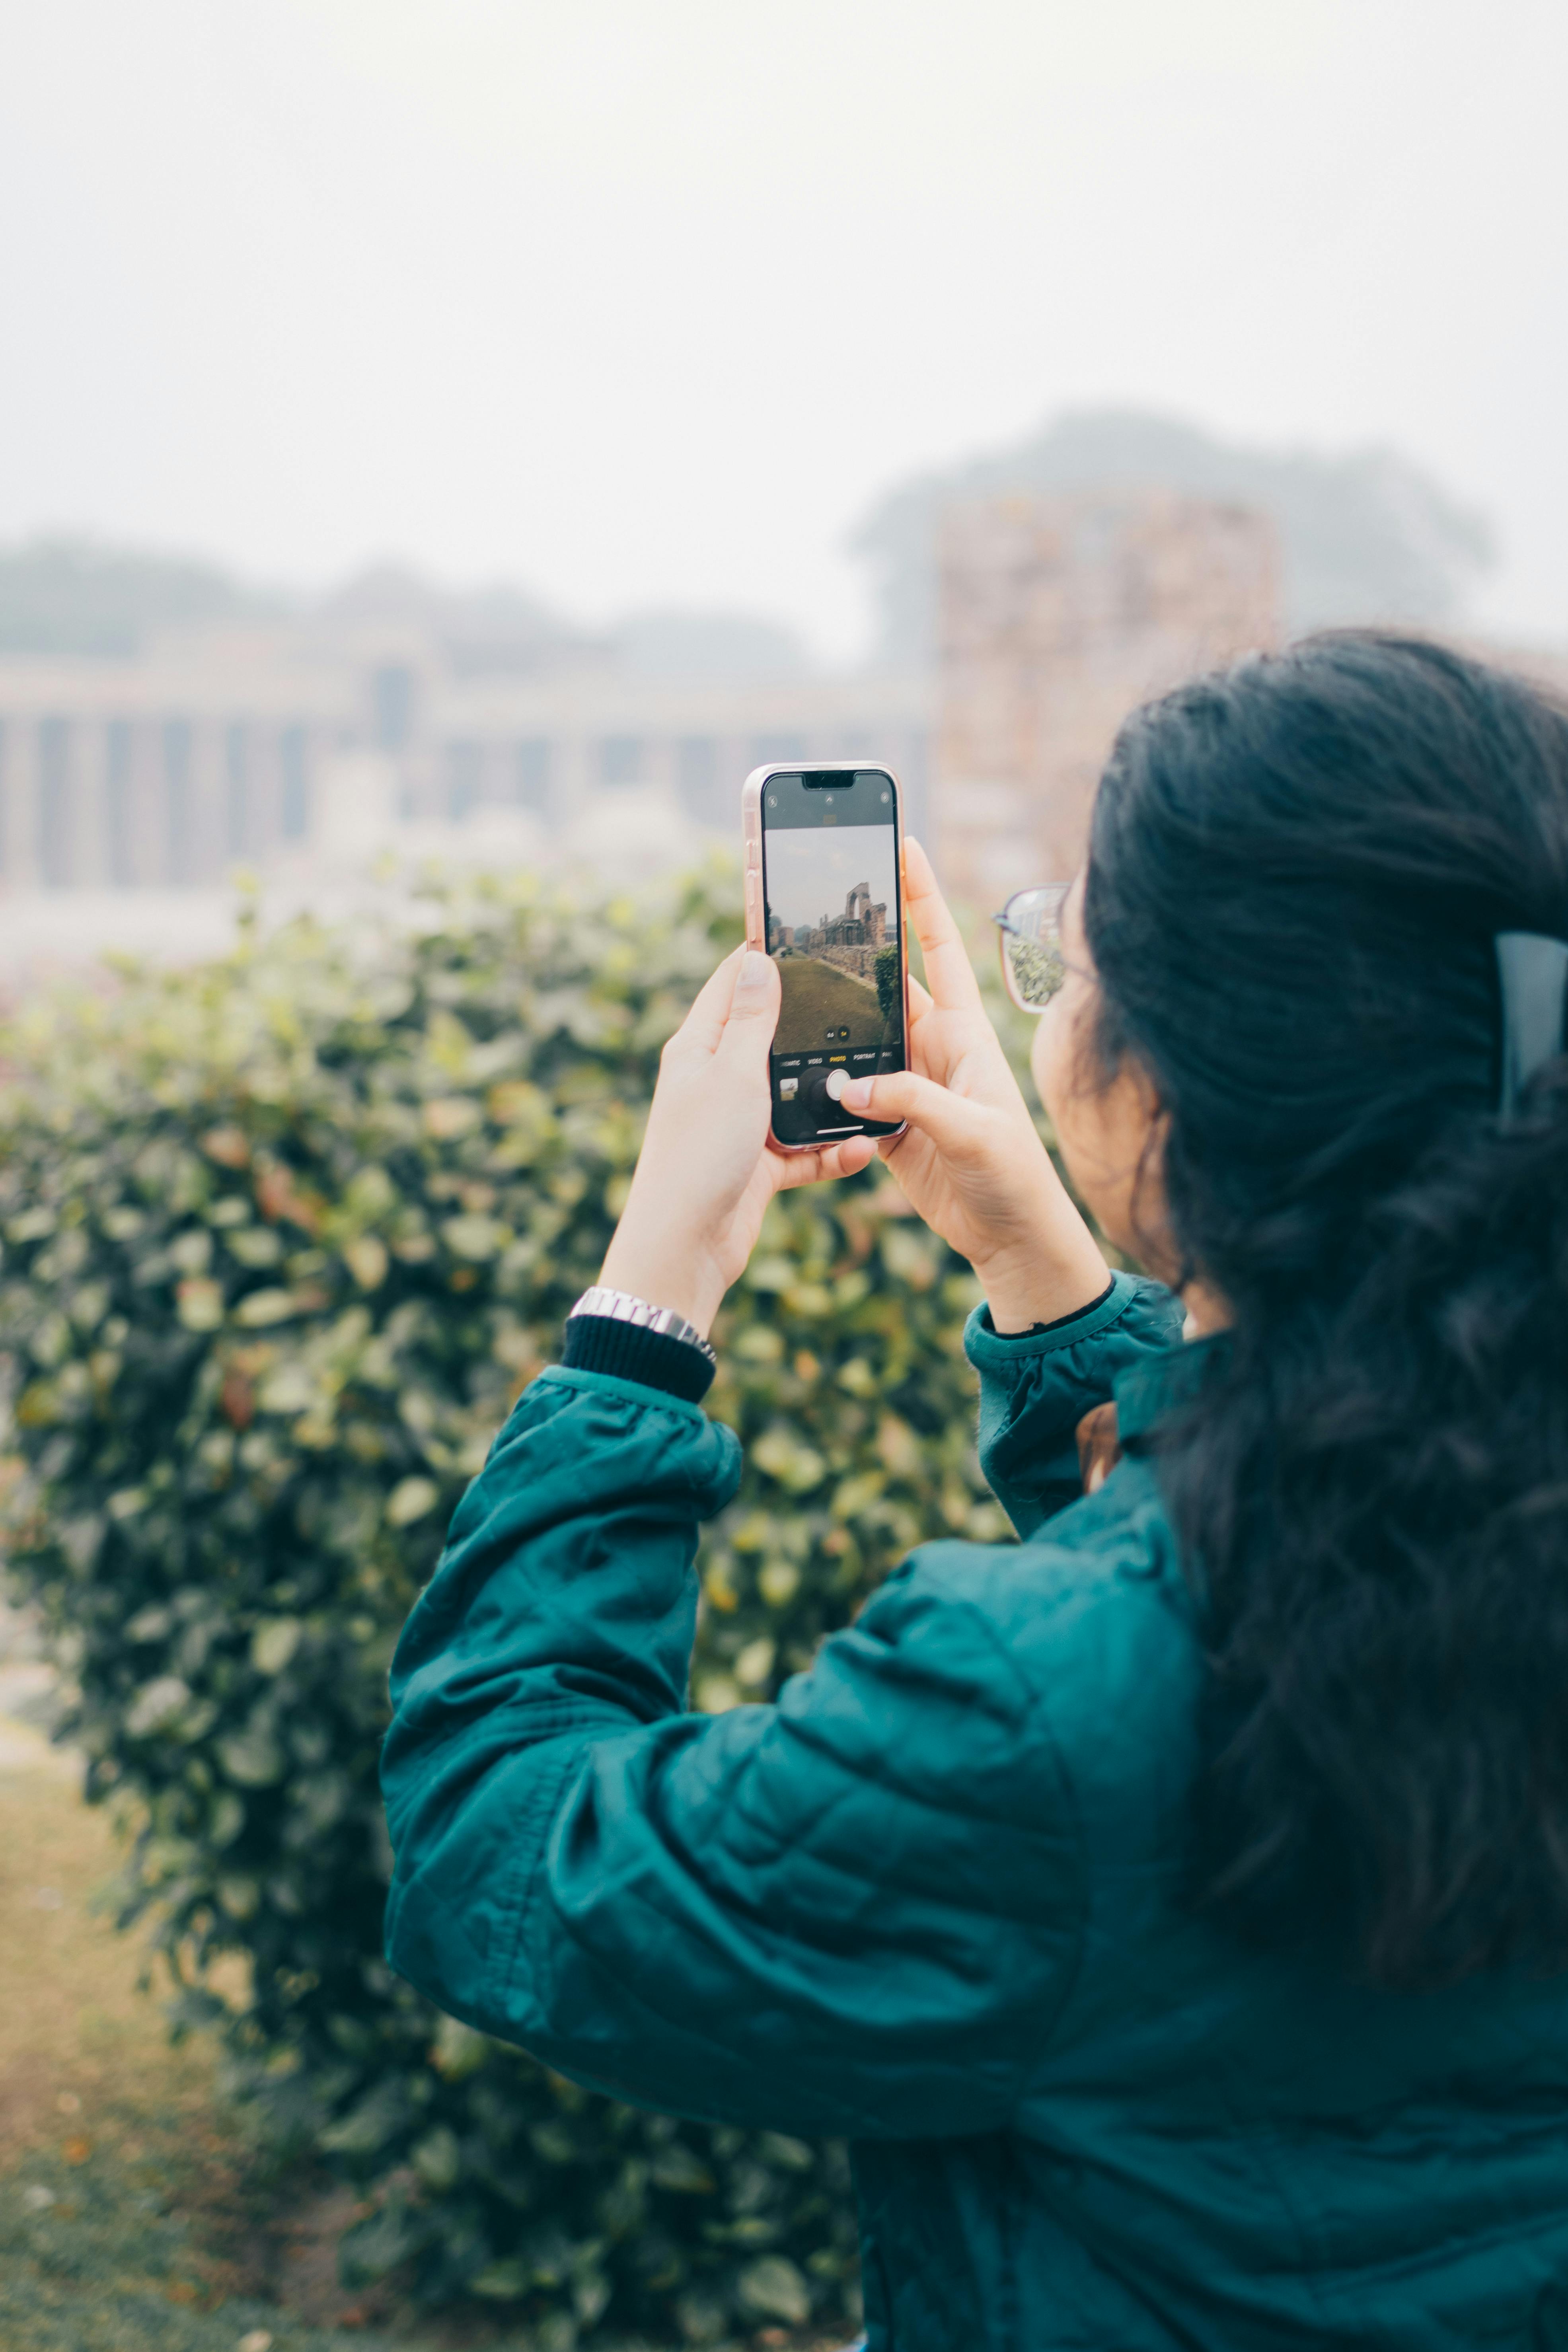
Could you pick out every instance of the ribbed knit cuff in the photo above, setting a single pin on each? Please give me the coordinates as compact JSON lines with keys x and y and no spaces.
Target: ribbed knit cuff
{"x":601,"y":1343}
{"x":1038,"y":1330}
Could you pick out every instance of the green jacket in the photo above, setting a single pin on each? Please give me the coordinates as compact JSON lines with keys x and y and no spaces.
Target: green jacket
{"x":930,"y":1901}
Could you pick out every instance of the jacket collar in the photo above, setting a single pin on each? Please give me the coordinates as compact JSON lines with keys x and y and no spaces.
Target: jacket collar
{"x":1161,"y":1383}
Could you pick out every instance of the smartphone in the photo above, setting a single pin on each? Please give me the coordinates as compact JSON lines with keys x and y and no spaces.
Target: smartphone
{"x":825,"y":898}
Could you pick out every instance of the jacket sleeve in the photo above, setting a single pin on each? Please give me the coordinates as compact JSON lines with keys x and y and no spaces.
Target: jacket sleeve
{"x":857,"y":1911}
{"x":1035,"y":1387}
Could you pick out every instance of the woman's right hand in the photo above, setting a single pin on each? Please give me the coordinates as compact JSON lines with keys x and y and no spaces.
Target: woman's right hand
{"x":970,"y":1160}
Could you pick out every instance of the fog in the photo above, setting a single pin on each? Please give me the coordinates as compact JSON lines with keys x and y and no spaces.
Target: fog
{"x":647,"y":307}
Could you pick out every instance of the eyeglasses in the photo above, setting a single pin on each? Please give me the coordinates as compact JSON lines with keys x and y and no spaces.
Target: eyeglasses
{"x":1033,"y":964}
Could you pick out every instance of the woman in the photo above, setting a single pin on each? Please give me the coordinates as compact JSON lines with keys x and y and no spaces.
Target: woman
{"x":1172,"y":1908}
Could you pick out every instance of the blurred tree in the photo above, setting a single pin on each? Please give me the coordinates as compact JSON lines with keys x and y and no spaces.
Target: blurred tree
{"x":1365,"y":536}
{"x":887,"y":978}
{"x":73,"y":596}
{"x":283,"y":1236}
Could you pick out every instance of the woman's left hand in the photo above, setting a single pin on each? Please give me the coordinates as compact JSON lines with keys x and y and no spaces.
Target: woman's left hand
{"x":705,"y":1174}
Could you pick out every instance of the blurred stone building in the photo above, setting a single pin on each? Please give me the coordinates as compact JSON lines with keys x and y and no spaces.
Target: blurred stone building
{"x":301,"y":746}
{"x":159,"y":726}
{"x":1055,"y":615}
{"x":167,"y":771}
{"x":852,"y":941}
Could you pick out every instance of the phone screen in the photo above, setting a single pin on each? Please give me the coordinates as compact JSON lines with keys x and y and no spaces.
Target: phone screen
{"x":832,"y":916}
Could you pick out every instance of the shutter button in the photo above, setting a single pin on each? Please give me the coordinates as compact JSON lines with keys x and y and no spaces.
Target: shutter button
{"x":822,"y":1093}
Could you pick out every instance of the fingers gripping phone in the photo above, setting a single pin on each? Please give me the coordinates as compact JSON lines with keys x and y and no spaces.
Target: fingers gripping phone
{"x":825,"y":898}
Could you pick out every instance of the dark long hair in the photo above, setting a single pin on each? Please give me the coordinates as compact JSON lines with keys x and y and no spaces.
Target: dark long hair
{"x":1296,"y":873}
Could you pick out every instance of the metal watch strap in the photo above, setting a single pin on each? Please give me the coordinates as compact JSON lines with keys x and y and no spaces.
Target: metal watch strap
{"x":620,"y":1307}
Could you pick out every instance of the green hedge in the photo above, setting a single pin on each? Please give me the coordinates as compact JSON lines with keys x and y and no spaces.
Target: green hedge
{"x":283,"y":1238}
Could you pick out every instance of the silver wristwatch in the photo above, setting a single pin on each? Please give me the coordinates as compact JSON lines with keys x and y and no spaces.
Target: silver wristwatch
{"x":622,"y":1308}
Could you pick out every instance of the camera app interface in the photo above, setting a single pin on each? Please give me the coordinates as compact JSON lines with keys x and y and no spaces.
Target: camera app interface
{"x":831,"y":903}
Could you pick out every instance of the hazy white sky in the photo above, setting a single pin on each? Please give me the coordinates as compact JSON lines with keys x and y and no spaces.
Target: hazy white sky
{"x":811,"y":872}
{"x":643,"y":300}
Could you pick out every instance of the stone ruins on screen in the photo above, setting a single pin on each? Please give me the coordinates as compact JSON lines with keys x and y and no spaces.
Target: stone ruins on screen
{"x":850,"y":940}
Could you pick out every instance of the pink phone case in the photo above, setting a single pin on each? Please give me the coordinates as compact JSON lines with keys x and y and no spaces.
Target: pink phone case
{"x":751,"y":837}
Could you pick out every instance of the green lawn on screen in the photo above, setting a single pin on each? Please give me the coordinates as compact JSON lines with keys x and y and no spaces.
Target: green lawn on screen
{"x":818,"y":997}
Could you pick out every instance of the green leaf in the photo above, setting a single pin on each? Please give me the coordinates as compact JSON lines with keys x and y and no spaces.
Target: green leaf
{"x":274,"y":1642}
{"x":457,"y":2050}
{"x":505,"y":2282}
{"x":411,"y":1499}
{"x":191,"y":1251}
{"x":200,"y":1305}
{"x":679,"y":2168}
{"x":382,"y":2241}
{"x":369,"y":2124}
{"x":256,"y":1245}
{"x":716,"y":1694}
{"x":439,"y":2160}
{"x":367,"y":1261}
{"x":51,"y":1342}
{"x":32,"y":1226}
{"x":769,"y":1273}
{"x":775,"y":2289}
{"x":157,"y":1705}
{"x":755,"y":1664}
{"x":225,"y":1821}
{"x":252,"y":1759}
{"x":778,"y":1581}
{"x":799,"y":1467}
{"x":290,"y":1389}
{"x":702,"y":2315}
{"x":590,"y":2295}
{"x":553,"y":2142}
{"x":475,"y":1237}
{"x":448,"y":1117}
{"x":260,"y":1308}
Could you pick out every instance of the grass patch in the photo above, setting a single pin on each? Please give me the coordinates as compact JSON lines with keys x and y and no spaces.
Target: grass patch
{"x":127,"y":2223}
{"x":132,"y":2216}
{"x":816,"y":996}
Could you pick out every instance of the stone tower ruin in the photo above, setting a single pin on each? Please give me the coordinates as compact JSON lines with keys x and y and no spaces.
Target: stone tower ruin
{"x":1058,"y":615}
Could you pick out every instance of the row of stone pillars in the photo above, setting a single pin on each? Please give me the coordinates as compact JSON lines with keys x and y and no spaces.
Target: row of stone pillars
{"x":128,"y":803}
